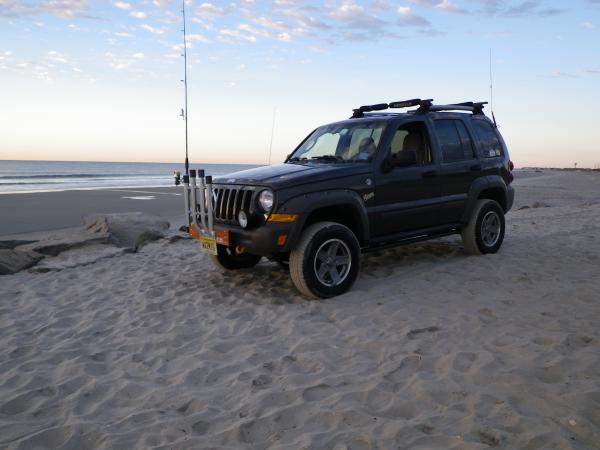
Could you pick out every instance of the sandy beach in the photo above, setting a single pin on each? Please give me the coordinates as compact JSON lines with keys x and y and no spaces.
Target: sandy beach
{"x":431,"y":349}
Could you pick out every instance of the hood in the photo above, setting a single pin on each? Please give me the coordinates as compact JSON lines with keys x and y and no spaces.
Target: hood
{"x":283,"y":175}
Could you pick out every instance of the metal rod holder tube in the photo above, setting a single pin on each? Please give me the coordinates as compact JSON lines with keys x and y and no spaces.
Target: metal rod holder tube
{"x":209,"y":195}
{"x":194,"y":197}
{"x":202,"y":199}
{"x":186,"y":196}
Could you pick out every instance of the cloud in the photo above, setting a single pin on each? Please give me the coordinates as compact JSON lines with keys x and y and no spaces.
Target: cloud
{"x":559,"y":74}
{"x":232,"y":36}
{"x":138,"y":14}
{"x":521,"y":8}
{"x":588,"y":25}
{"x":153,"y":30}
{"x":197,"y":38}
{"x":355,"y":15}
{"x":445,"y":6}
{"x":123,"y":5}
{"x":138,"y":56}
{"x":208,"y":11}
{"x":407,"y":17}
{"x":65,"y":9}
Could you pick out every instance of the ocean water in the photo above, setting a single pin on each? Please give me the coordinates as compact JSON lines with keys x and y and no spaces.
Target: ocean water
{"x":30,"y":176}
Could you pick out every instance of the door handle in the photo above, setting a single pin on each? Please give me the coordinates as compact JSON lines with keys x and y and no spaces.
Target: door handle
{"x":429,"y":174}
{"x":475,"y":168}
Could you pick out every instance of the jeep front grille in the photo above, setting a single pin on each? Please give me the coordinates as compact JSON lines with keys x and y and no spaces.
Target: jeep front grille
{"x":229,"y":201}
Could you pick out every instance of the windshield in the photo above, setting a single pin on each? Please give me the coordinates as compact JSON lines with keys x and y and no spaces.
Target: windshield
{"x":348,"y":142}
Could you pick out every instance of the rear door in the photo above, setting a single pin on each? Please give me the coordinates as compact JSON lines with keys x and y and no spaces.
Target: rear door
{"x":407,"y":198}
{"x":459,"y":167}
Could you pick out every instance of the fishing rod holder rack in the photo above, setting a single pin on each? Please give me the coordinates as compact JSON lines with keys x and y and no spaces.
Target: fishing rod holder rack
{"x":197,"y":197}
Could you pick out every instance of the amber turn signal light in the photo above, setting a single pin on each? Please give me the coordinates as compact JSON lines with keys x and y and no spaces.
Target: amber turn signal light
{"x":286,"y":218}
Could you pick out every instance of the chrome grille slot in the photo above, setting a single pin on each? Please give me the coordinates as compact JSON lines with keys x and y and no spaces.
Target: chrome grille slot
{"x":229,"y":201}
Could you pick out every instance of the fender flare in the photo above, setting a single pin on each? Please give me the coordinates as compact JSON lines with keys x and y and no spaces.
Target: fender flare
{"x":305,"y":204}
{"x":477,"y":187}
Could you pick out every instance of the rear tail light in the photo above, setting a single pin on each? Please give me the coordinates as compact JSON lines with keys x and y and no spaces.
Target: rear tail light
{"x":511,"y":167}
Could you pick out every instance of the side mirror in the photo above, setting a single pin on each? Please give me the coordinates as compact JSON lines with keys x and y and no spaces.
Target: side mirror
{"x":404,"y":158}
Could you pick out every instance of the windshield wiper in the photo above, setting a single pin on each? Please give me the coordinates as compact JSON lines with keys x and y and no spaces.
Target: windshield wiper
{"x":296,"y":159}
{"x":329,"y":158}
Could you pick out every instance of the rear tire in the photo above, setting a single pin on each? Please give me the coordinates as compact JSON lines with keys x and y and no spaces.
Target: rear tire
{"x":485,"y":231}
{"x":227,"y":259}
{"x":326,"y":261}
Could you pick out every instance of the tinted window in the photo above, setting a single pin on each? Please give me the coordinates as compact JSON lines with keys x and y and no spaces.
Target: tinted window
{"x":412,"y":137}
{"x":488,"y":141}
{"x":467,"y":144}
{"x":449,"y":139}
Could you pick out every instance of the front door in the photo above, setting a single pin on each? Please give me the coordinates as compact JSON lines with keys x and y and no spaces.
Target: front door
{"x":407,"y":197}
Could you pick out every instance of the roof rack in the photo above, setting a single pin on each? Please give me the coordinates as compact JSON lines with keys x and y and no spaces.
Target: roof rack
{"x":425,"y":106}
{"x":359,"y":112}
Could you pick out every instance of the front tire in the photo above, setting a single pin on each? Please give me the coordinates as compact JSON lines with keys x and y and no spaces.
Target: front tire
{"x":326,"y":261}
{"x":228,"y":259}
{"x":485,"y":231}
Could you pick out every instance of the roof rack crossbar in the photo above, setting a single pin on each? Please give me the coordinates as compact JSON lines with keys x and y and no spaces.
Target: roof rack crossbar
{"x":473,"y":107}
{"x":359,"y":112}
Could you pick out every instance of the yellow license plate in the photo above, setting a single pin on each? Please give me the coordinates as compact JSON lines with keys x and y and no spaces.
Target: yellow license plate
{"x":209,"y":245}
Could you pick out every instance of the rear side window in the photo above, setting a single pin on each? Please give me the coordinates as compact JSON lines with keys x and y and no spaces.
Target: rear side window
{"x":467,"y":144}
{"x":488,"y":140}
{"x":454,"y":140}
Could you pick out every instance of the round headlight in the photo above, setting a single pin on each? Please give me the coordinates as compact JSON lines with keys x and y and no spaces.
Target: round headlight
{"x":243,"y":219}
{"x":265,"y":199}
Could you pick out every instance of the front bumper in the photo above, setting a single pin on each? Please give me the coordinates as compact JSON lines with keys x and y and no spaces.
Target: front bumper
{"x":264,"y":240}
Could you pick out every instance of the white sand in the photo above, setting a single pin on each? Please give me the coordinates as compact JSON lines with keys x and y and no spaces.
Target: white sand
{"x":432,"y":349}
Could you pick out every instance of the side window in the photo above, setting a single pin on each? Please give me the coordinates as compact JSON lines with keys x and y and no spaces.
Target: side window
{"x":398,"y":141}
{"x":412,"y":137}
{"x":449,"y":139}
{"x":467,"y":144}
{"x":488,"y":141}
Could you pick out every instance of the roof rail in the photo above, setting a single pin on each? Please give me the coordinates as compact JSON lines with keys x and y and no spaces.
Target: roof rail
{"x":359,"y":112}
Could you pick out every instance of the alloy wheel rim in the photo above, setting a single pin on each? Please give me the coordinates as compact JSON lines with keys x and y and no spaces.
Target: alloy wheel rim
{"x":490,"y":228}
{"x":332,"y":262}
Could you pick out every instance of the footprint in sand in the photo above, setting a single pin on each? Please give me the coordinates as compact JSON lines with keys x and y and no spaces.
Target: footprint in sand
{"x":576,"y":341}
{"x":463,"y":361}
{"x":200,"y":428}
{"x":262,"y":381}
{"x":412,"y":334}
{"x":408,"y":366}
{"x":550,"y":374}
{"x":318,"y":392}
{"x":489,"y":437}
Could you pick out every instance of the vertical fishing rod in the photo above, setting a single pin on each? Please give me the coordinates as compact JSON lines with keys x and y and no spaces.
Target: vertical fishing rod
{"x":492,"y":91}
{"x":184,"y":112}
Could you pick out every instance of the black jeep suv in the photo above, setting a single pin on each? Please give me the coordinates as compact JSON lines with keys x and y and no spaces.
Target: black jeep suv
{"x":375,"y":180}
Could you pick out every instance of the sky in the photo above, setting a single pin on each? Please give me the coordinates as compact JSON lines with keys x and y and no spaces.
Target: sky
{"x":101,"y":80}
